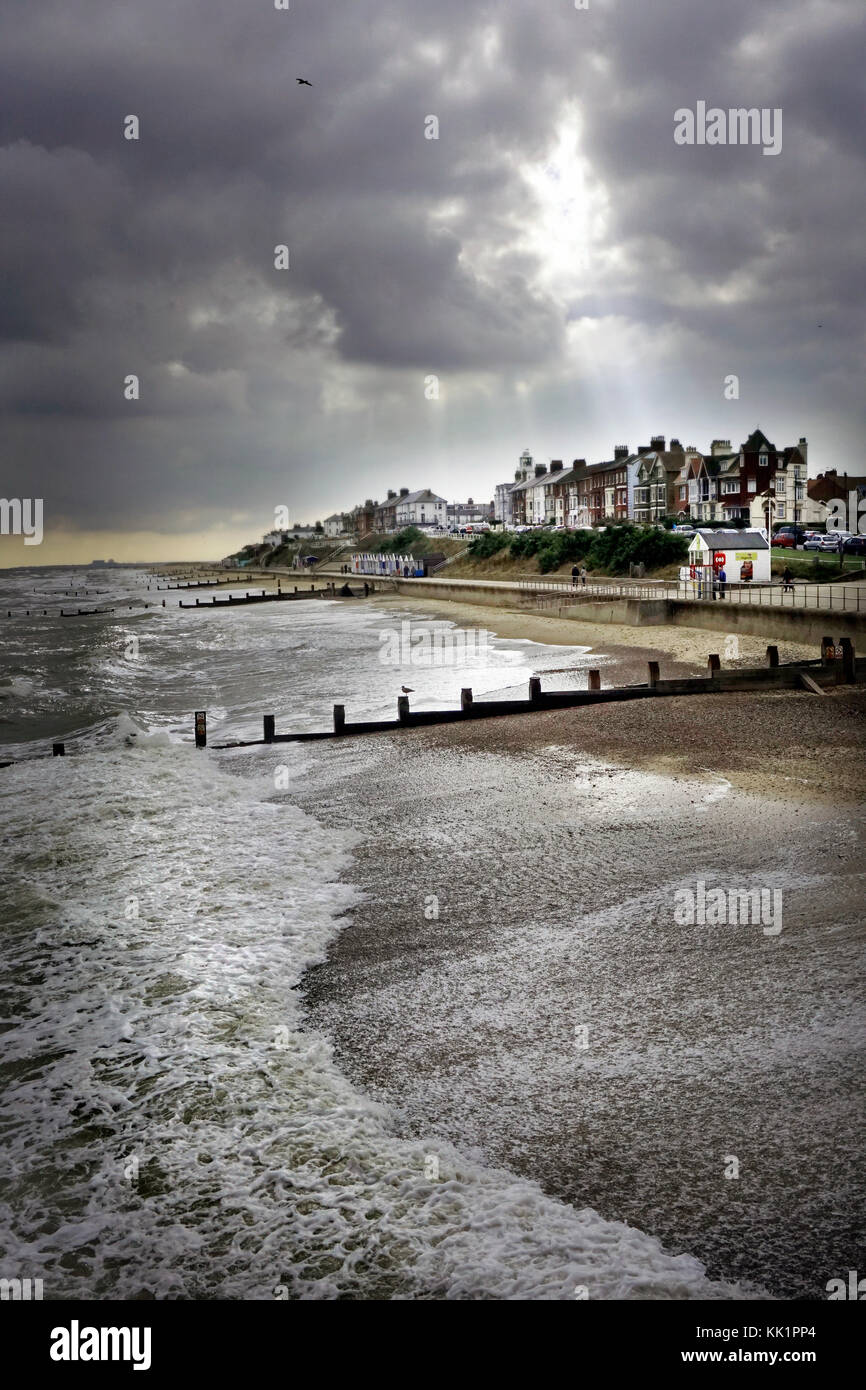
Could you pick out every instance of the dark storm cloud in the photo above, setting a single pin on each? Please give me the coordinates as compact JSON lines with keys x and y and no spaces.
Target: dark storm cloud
{"x":408,"y":256}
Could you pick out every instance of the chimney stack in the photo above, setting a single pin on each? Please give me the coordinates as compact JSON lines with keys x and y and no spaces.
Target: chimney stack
{"x":620,"y":452}
{"x":539,"y":469}
{"x":404,"y":492}
{"x":658,"y":442}
{"x":555,"y":465}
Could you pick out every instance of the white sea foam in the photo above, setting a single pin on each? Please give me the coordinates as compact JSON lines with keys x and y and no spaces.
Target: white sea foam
{"x":176,"y":1132}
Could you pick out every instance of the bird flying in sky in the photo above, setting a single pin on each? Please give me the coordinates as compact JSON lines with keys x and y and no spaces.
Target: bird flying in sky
{"x":302,"y":82}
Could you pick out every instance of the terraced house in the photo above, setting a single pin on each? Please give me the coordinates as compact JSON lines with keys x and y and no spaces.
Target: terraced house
{"x":657,"y":481}
{"x":753,"y":469}
{"x":788,"y":486}
{"x":600,"y":491}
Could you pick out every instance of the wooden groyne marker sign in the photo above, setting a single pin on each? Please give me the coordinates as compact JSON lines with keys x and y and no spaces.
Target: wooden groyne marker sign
{"x":840,"y":655}
{"x":201,"y":728}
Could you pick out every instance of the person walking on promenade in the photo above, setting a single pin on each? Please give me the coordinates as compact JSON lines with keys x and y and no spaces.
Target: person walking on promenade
{"x":575,"y":574}
{"x":583,"y":575}
{"x":787,"y":580}
{"x":723,"y":583}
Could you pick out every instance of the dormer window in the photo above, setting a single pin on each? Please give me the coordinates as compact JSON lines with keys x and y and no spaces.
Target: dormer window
{"x":762,"y":460}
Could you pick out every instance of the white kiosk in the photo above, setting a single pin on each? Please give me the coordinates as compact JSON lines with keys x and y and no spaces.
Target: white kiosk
{"x":743,"y":555}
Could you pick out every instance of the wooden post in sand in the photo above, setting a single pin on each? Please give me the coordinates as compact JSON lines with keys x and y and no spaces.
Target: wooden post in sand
{"x":269,"y":722}
{"x":652,"y":674}
{"x":594,"y":680}
{"x":535,"y":689}
{"x":339,"y":719}
{"x":58,"y":750}
{"x":403,"y":708}
{"x":828,"y":650}
{"x":772,"y":656}
{"x":847,"y":662}
{"x":466,"y":699}
{"x":201,"y":728}
{"x":714,"y":666}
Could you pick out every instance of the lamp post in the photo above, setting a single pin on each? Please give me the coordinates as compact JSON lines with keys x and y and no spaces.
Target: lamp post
{"x":771,"y":503}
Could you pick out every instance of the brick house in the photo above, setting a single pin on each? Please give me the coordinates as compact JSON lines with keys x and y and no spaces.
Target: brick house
{"x":656,"y":490}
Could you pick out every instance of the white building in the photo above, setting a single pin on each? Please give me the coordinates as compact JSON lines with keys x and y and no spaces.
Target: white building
{"x":468,"y":513}
{"x":424,"y":508}
{"x":504,"y":500}
{"x":334,"y":524}
{"x":744,"y":556}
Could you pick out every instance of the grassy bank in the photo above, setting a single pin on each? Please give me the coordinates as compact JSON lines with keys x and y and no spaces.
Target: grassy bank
{"x":810,"y":564}
{"x":612,"y":551}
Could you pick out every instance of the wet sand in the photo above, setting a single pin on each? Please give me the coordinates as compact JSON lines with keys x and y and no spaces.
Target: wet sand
{"x":632,"y":646}
{"x":519,"y":881}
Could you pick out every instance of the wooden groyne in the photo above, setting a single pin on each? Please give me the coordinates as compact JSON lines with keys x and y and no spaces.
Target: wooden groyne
{"x":85,"y":612}
{"x":837,"y":665}
{"x":280,"y":596}
{"x":196,"y":584}
{"x":327,"y":591}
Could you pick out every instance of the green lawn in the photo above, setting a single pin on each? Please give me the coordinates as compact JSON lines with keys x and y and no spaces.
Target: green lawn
{"x":811,"y":564}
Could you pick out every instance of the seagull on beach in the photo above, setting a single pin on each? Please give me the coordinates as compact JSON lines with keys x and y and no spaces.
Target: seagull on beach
{"x":407,"y":690}
{"x":302,"y":82}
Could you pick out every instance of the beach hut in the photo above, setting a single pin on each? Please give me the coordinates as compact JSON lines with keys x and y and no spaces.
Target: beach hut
{"x":743,"y":555}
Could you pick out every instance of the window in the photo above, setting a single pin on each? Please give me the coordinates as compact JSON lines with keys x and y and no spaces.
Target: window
{"x":780,"y":512}
{"x":731,"y":485}
{"x":762,"y":460}
{"x":780,"y":487}
{"x":753,"y":485}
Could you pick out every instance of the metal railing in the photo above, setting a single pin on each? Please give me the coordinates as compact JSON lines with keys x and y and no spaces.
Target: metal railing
{"x":841,"y":596}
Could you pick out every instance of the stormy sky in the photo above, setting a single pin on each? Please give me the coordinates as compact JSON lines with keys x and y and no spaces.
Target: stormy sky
{"x":572,"y":277}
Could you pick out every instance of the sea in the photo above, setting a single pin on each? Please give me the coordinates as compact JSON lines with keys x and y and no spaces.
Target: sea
{"x":173,"y":1126}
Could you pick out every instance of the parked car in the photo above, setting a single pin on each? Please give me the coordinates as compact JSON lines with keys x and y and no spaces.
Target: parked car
{"x":785,"y":539}
{"x":825,"y":542}
{"x":854,"y":545}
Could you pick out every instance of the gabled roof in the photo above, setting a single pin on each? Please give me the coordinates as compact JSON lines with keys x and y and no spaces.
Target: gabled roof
{"x":757,"y":441}
{"x":791,"y":454}
{"x":424,"y":495}
{"x":731,"y":540}
{"x":671,"y":462}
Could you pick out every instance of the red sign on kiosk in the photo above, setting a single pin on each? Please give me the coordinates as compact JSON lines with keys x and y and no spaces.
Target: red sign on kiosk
{"x":719,"y":559}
